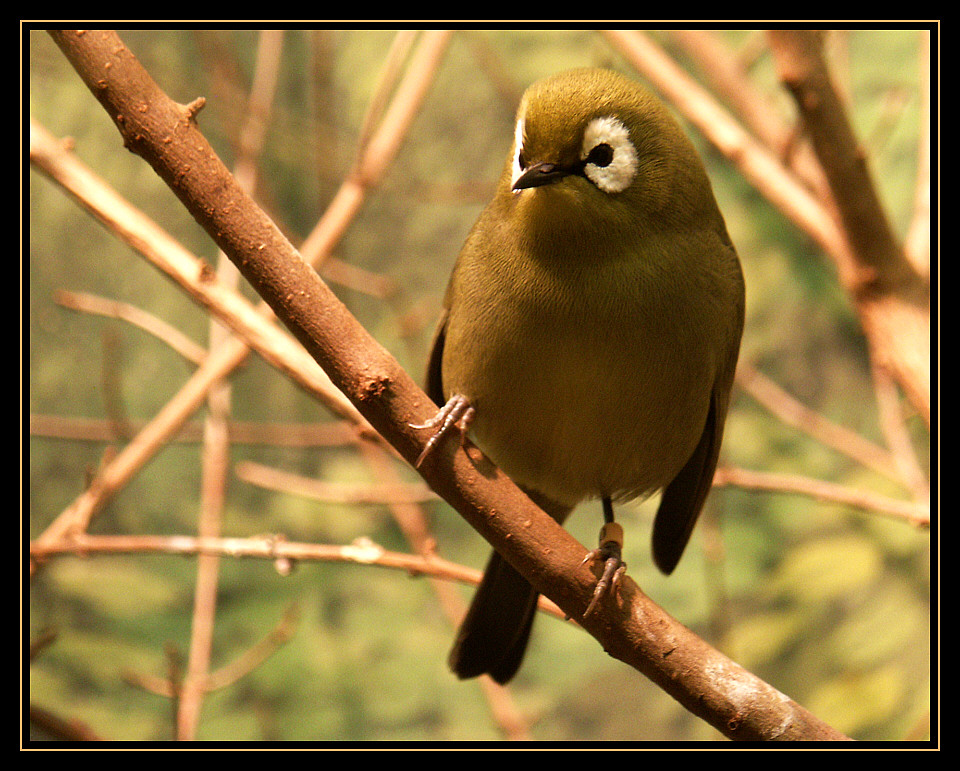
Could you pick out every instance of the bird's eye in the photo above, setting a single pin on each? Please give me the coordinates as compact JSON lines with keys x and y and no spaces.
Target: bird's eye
{"x":521,"y":161}
{"x":609,"y":157}
{"x":601,"y":155}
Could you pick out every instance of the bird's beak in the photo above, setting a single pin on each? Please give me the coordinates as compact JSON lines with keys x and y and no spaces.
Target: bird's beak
{"x":539,"y":174}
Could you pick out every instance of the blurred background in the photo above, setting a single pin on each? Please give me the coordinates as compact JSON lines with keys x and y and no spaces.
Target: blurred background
{"x":828,"y":602}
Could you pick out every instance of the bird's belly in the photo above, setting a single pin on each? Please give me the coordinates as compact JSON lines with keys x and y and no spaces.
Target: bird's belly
{"x":581,"y":414}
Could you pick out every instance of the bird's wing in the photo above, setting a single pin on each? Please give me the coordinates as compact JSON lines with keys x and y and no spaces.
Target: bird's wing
{"x":683,"y":498}
{"x":434,"y":382}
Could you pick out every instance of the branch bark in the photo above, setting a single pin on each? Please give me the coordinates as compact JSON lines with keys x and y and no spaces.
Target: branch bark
{"x":893,"y":299}
{"x":636,"y":631}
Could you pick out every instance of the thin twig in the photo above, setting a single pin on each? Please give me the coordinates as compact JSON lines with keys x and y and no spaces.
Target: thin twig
{"x":380,"y":149}
{"x":275,"y":548}
{"x":167,"y":333}
{"x":332,"y":492}
{"x":254,"y":656}
{"x":794,"y":413}
{"x":915,"y":513}
{"x":327,"y":434}
{"x":891,"y":297}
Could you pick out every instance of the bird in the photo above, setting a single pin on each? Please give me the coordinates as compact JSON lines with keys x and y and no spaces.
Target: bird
{"x":589,"y":334}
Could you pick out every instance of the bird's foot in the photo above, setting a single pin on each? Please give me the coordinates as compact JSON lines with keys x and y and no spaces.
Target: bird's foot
{"x":456,"y":413}
{"x":610,"y":553}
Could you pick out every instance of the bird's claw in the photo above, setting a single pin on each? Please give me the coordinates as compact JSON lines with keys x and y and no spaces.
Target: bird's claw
{"x":610,"y":552}
{"x":456,"y":413}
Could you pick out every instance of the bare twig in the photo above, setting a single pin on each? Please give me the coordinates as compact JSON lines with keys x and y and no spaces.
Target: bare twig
{"x":331,"y":434}
{"x":914,"y":513}
{"x":88,"y":303}
{"x":892,"y":298}
{"x":275,"y":548}
{"x":197,"y":279}
{"x":380,"y":148}
{"x":332,"y":492}
{"x":256,"y":655}
{"x":794,"y":413}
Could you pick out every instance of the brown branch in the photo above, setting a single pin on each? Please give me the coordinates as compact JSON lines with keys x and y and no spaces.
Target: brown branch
{"x":914,"y":513}
{"x":275,"y":548}
{"x":331,"y":492}
{"x":199,"y":281}
{"x":880,"y":262}
{"x":58,"y":727}
{"x":241,"y":432}
{"x":254,"y":656}
{"x":893,"y":299}
{"x":636,"y":631}
{"x":794,"y":413}
{"x":88,"y":303}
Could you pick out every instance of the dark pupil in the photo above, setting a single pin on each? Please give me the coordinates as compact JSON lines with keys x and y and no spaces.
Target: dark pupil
{"x":601,"y":155}
{"x":521,"y":161}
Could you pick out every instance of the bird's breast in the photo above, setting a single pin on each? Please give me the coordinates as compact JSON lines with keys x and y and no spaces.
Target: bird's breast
{"x":579,"y":395}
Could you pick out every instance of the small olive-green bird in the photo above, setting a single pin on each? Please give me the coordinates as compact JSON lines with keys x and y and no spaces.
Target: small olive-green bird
{"x":590,"y":332}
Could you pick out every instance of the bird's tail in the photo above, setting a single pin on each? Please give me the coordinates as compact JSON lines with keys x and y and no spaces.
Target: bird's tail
{"x":493,"y":636}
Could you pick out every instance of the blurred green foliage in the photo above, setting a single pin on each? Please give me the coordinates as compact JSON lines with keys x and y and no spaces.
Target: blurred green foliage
{"x":830,"y":606}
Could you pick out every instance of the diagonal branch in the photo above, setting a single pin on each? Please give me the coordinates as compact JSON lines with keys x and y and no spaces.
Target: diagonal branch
{"x":200,"y":282}
{"x":892,"y":297}
{"x":638,"y":632}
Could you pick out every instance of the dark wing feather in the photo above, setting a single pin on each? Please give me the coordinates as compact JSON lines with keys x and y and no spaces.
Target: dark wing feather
{"x":434,"y":383}
{"x":683,"y":498}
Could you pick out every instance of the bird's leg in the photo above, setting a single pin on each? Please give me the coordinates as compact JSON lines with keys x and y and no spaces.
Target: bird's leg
{"x":457,"y":412}
{"x":610,"y":551}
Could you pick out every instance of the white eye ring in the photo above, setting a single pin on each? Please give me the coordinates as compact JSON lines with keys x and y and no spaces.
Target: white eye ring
{"x":617,"y":175}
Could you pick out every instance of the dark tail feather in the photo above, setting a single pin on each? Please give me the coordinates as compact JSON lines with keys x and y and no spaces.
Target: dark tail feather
{"x":493,"y":636}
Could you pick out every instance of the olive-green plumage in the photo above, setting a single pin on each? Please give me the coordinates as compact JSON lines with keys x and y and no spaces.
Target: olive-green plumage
{"x":592,"y":322}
